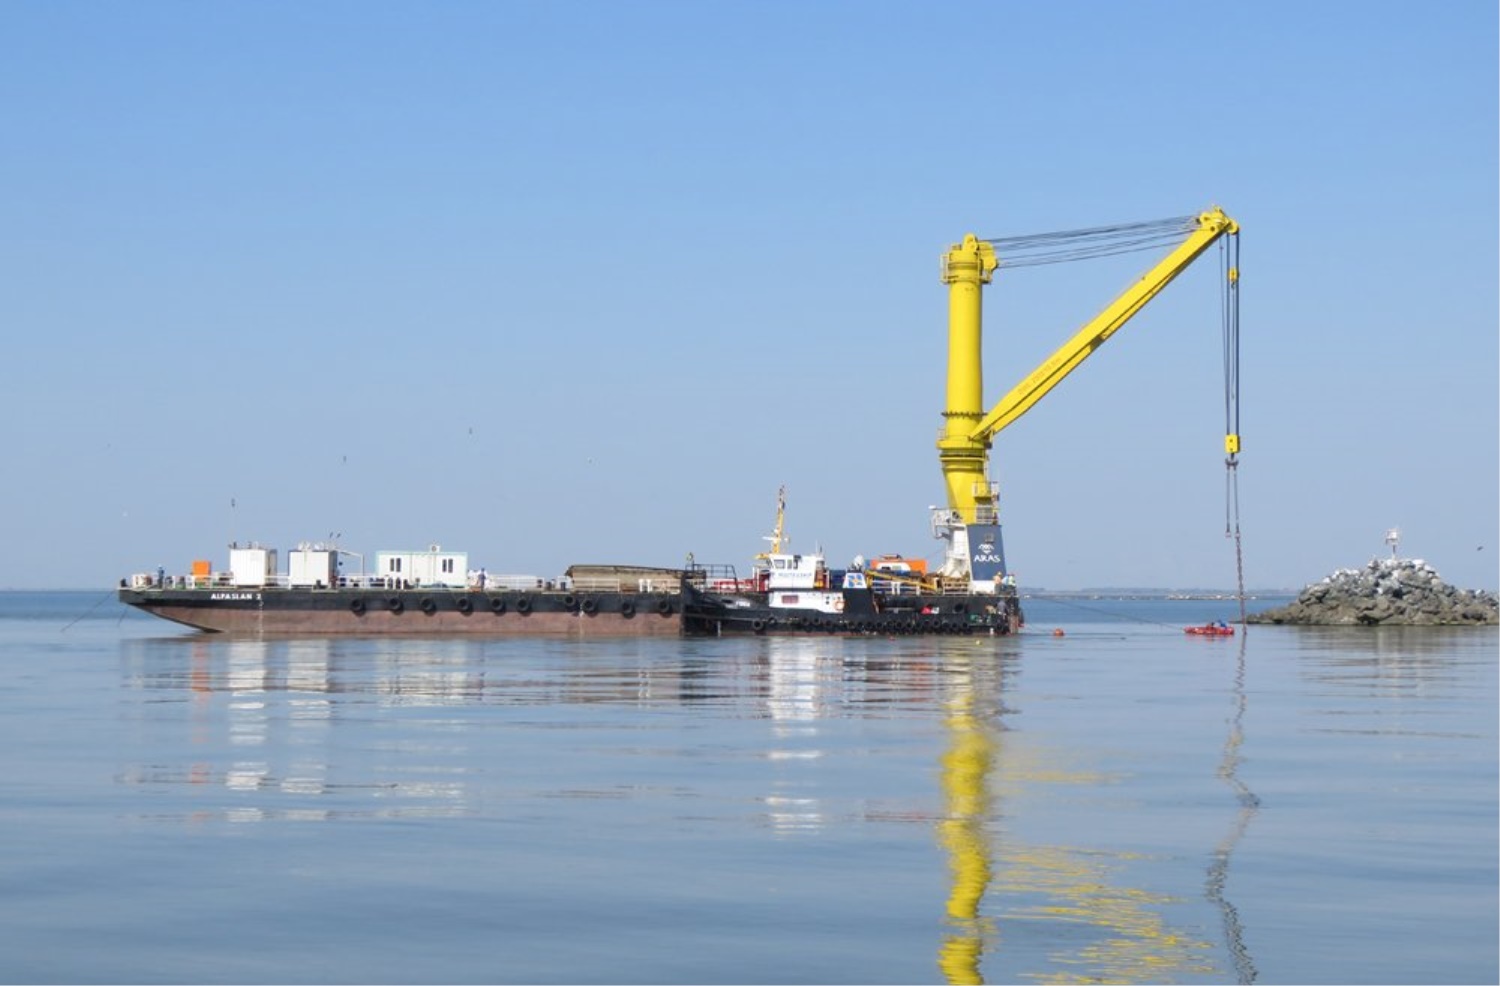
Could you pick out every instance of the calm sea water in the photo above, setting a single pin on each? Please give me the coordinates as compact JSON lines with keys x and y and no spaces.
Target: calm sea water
{"x":1121,"y":802}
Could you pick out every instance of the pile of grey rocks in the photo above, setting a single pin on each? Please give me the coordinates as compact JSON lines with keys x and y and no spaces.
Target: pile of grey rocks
{"x":1386,"y":592}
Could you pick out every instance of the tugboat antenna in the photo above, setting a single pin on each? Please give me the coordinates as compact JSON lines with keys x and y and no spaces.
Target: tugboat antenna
{"x":778,"y":536}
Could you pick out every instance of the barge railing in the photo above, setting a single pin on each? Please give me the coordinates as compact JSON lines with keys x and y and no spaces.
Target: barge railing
{"x":221,"y":581}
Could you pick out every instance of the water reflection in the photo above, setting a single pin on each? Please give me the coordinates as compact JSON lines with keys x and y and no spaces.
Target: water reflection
{"x":1249,"y":805}
{"x":325,"y":730}
{"x":1078,"y":896}
{"x":260,"y":724}
{"x":1390,"y":681}
{"x":1449,"y":642}
{"x":1394,"y":661}
{"x":1004,"y":887}
{"x":794,"y":697}
{"x":962,"y":831}
{"x":794,"y":680}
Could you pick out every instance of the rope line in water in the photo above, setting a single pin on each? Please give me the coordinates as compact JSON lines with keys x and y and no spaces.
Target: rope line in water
{"x":1108,"y":612}
{"x":85,"y":614}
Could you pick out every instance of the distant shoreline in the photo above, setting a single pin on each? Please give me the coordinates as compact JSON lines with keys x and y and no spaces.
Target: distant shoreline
{"x":1183,"y":594}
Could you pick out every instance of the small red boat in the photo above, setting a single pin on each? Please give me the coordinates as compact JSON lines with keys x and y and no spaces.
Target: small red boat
{"x":1211,"y":630}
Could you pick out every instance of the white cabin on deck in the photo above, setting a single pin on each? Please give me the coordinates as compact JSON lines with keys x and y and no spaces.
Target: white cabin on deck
{"x":789,"y":571}
{"x":431,"y":567}
{"x":312,"y":565}
{"x":801,"y":582}
{"x":252,"y":565}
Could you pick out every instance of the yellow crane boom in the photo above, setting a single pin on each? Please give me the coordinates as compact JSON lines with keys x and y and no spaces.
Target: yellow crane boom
{"x":963,"y":448}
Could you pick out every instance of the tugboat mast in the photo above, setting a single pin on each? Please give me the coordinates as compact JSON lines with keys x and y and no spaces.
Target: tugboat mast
{"x":778,"y":536}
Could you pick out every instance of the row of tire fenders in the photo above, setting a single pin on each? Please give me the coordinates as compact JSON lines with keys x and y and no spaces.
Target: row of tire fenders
{"x":589,"y":606}
{"x":877,"y":626}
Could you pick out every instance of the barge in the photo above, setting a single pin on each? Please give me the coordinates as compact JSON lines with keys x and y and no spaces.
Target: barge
{"x":435,"y":593}
{"x":412,"y":593}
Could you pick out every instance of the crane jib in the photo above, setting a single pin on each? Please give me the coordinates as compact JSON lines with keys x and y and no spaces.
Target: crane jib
{"x":969,"y":429}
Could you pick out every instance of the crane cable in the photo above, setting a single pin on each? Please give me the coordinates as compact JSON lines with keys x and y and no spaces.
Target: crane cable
{"x":1035,"y":249}
{"x":1229,"y":252}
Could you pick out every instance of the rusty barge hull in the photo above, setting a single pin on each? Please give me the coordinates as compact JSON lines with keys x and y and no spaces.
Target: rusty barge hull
{"x":414,"y":612}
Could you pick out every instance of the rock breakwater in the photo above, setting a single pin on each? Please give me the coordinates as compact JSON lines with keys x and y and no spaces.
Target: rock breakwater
{"x":1386,"y":592}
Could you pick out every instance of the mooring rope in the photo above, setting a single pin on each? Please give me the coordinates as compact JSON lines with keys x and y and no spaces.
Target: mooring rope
{"x":1105,"y":612}
{"x":86,"y":613}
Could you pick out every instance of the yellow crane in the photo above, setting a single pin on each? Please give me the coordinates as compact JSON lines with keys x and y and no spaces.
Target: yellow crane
{"x":970,"y":520}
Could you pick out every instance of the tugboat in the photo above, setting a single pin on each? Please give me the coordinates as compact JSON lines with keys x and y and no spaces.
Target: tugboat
{"x":791,"y":593}
{"x":803,"y":596}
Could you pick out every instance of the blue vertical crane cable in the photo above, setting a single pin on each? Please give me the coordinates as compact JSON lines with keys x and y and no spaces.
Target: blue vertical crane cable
{"x":1229,"y":252}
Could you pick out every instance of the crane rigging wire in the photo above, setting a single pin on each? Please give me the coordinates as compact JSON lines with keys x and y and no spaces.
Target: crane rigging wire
{"x":1088,"y":253}
{"x":1229,"y":252}
{"x":1229,"y":297}
{"x":1179,"y":224}
{"x":1036,"y":249}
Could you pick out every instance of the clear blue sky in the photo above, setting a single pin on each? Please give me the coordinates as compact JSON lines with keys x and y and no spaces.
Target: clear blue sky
{"x":564,"y":282}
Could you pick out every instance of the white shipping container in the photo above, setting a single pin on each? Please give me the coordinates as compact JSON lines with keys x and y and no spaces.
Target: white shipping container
{"x":431,"y":567}
{"x":252,"y":566}
{"x":312,"y":567}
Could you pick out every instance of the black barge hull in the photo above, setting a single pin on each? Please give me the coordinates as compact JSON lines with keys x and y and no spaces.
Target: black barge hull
{"x":414,"y":612}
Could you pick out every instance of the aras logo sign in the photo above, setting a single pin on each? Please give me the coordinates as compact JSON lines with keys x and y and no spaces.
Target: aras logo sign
{"x":986,"y":553}
{"x":987,"y":556}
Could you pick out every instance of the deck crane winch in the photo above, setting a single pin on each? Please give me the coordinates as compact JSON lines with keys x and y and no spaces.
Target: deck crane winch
{"x":970,"y":521}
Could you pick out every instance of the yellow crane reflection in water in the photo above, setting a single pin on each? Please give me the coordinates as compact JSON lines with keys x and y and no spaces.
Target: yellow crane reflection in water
{"x":966,"y":796}
{"x":1113,"y":933}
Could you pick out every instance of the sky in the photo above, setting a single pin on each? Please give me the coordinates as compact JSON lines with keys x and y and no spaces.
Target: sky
{"x":588,"y":282}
